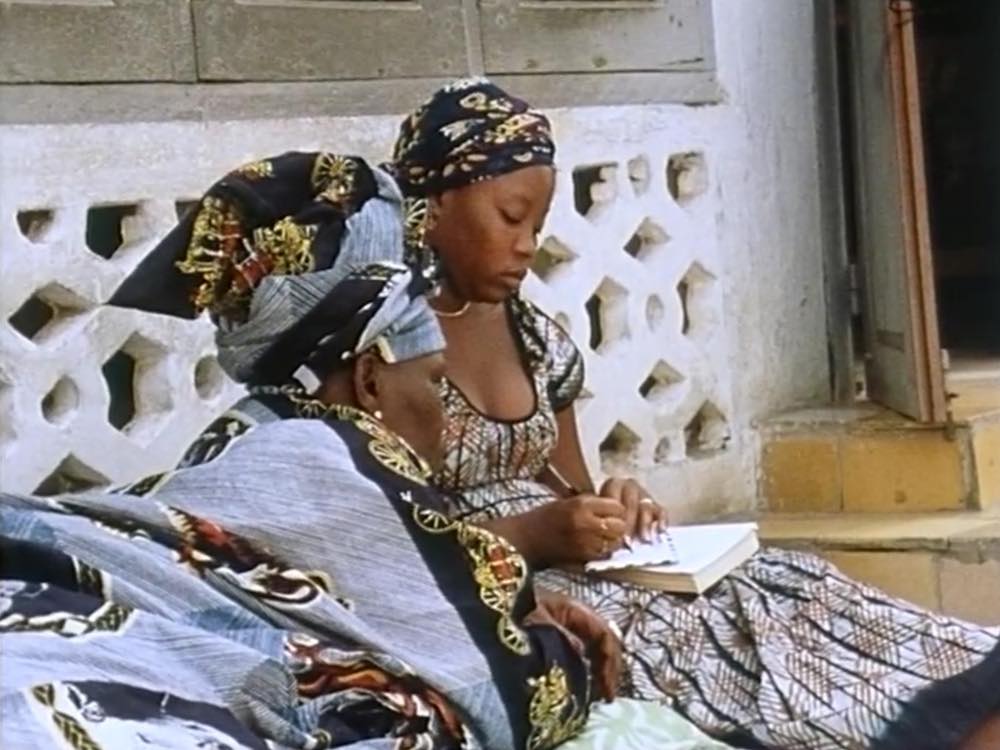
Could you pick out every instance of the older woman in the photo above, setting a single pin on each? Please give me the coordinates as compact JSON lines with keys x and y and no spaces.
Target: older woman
{"x":785,"y":652}
{"x":295,"y":581}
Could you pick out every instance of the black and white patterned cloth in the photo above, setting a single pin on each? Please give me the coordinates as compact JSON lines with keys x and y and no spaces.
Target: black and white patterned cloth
{"x":785,"y":652}
{"x":468,"y":131}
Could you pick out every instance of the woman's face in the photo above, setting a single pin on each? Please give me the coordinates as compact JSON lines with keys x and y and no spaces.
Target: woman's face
{"x":486,"y":233}
{"x":409,"y":397}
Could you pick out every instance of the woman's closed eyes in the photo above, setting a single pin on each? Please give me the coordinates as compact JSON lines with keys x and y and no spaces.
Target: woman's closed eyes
{"x":514,"y":218}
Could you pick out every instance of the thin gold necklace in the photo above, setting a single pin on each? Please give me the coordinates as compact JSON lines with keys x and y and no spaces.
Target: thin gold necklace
{"x":456,"y":314}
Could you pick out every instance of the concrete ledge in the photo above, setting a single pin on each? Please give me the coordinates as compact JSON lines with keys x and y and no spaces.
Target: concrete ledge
{"x":28,"y":104}
{"x":969,"y":535}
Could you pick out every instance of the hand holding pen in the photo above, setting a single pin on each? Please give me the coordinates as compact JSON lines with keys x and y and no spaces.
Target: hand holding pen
{"x":645,"y":519}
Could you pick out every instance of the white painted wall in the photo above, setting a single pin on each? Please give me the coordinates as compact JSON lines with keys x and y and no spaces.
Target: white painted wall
{"x":750,"y":227}
{"x":768,"y":235}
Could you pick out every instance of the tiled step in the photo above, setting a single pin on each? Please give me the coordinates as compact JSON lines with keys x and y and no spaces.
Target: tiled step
{"x":868,"y":459}
{"x":947,"y":562}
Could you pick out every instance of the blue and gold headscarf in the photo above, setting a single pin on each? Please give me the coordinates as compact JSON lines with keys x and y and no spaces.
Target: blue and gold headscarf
{"x":468,"y":131}
{"x":288,"y":256}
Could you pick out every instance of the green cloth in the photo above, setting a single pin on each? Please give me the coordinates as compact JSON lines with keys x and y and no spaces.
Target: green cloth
{"x":639,"y":725}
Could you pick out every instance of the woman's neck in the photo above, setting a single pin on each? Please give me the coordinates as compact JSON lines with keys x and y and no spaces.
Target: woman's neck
{"x":447,"y":301}
{"x":449,"y":304}
{"x":338,"y":388}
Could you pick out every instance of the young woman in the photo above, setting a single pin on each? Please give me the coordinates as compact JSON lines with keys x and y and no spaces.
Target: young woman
{"x":786,"y":651}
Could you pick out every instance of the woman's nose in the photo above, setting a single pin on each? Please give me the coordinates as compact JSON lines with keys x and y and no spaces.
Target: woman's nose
{"x":526,"y":245}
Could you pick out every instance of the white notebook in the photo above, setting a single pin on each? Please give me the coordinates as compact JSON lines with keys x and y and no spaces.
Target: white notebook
{"x":658,"y":551}
{"x":687,"y":559}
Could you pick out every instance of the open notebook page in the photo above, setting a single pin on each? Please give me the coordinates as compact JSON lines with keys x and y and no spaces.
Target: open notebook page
{"x":687,"y":549}
{"x":658,"y":551}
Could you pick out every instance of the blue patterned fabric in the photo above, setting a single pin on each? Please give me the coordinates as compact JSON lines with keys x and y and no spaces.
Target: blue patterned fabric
{"x":295,"y":584}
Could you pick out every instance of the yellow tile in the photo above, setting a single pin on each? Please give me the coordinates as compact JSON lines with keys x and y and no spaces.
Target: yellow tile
{"x":971,"y":591}
{"x":986,"y":452}
{"x":912,"y":576}
{"x":902,"y":471}
{"x":801,"y":474}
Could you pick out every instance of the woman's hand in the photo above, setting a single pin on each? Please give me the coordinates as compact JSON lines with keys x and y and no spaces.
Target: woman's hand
{"x":588,"y":632}
{"x":644,"y":517}
{"x":574,"y":529}
{"x":579,"y":529}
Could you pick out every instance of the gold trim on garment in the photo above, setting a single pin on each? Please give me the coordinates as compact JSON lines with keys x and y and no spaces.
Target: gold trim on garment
{"x":497,"y":567}
{"x":72,"y":730}
{"x":288,"y":245}
{"x":216,"y":230}
{"x":255,"y":170}
{"x":386,"y":447}
{"x":333,"y":178}
{"x":553,"y":712}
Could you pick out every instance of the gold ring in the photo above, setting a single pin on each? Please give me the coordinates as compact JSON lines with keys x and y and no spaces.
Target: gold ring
{"x":604,"y":525}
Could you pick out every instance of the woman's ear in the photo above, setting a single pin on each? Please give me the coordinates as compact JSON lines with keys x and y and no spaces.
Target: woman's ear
{"x":367,"y":389}
{"x":433,"y":212}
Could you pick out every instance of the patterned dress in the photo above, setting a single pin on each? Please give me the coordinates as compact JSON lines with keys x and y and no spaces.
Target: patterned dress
{"x":784,"y":652}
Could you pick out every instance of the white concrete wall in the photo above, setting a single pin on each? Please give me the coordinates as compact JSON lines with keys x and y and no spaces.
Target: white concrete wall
{"x":768,"y":234}
{"x":743,"y":231}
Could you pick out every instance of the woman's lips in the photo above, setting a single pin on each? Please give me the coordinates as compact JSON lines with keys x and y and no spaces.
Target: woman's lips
{"x":512,"y":281}
{"x":517,"y":276}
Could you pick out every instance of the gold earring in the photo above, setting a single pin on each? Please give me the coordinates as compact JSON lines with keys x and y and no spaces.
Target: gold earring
{"x":418,"y":220}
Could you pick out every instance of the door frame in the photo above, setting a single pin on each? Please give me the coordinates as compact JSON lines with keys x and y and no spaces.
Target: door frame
{"x":904,"y":368}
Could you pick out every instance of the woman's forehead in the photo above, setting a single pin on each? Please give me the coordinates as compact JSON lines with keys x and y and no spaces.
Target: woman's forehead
{"x":531,"y":185}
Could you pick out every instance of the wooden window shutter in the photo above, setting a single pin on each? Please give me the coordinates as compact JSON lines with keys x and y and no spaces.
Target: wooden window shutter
{"x":96,"y":41}
{"x":596,"y":36}
{"x":302,"y":40}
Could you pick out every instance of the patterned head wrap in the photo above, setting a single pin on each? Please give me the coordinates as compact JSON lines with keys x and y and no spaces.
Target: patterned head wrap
{"x":468,"y":131}
{"x":288,"y":257}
